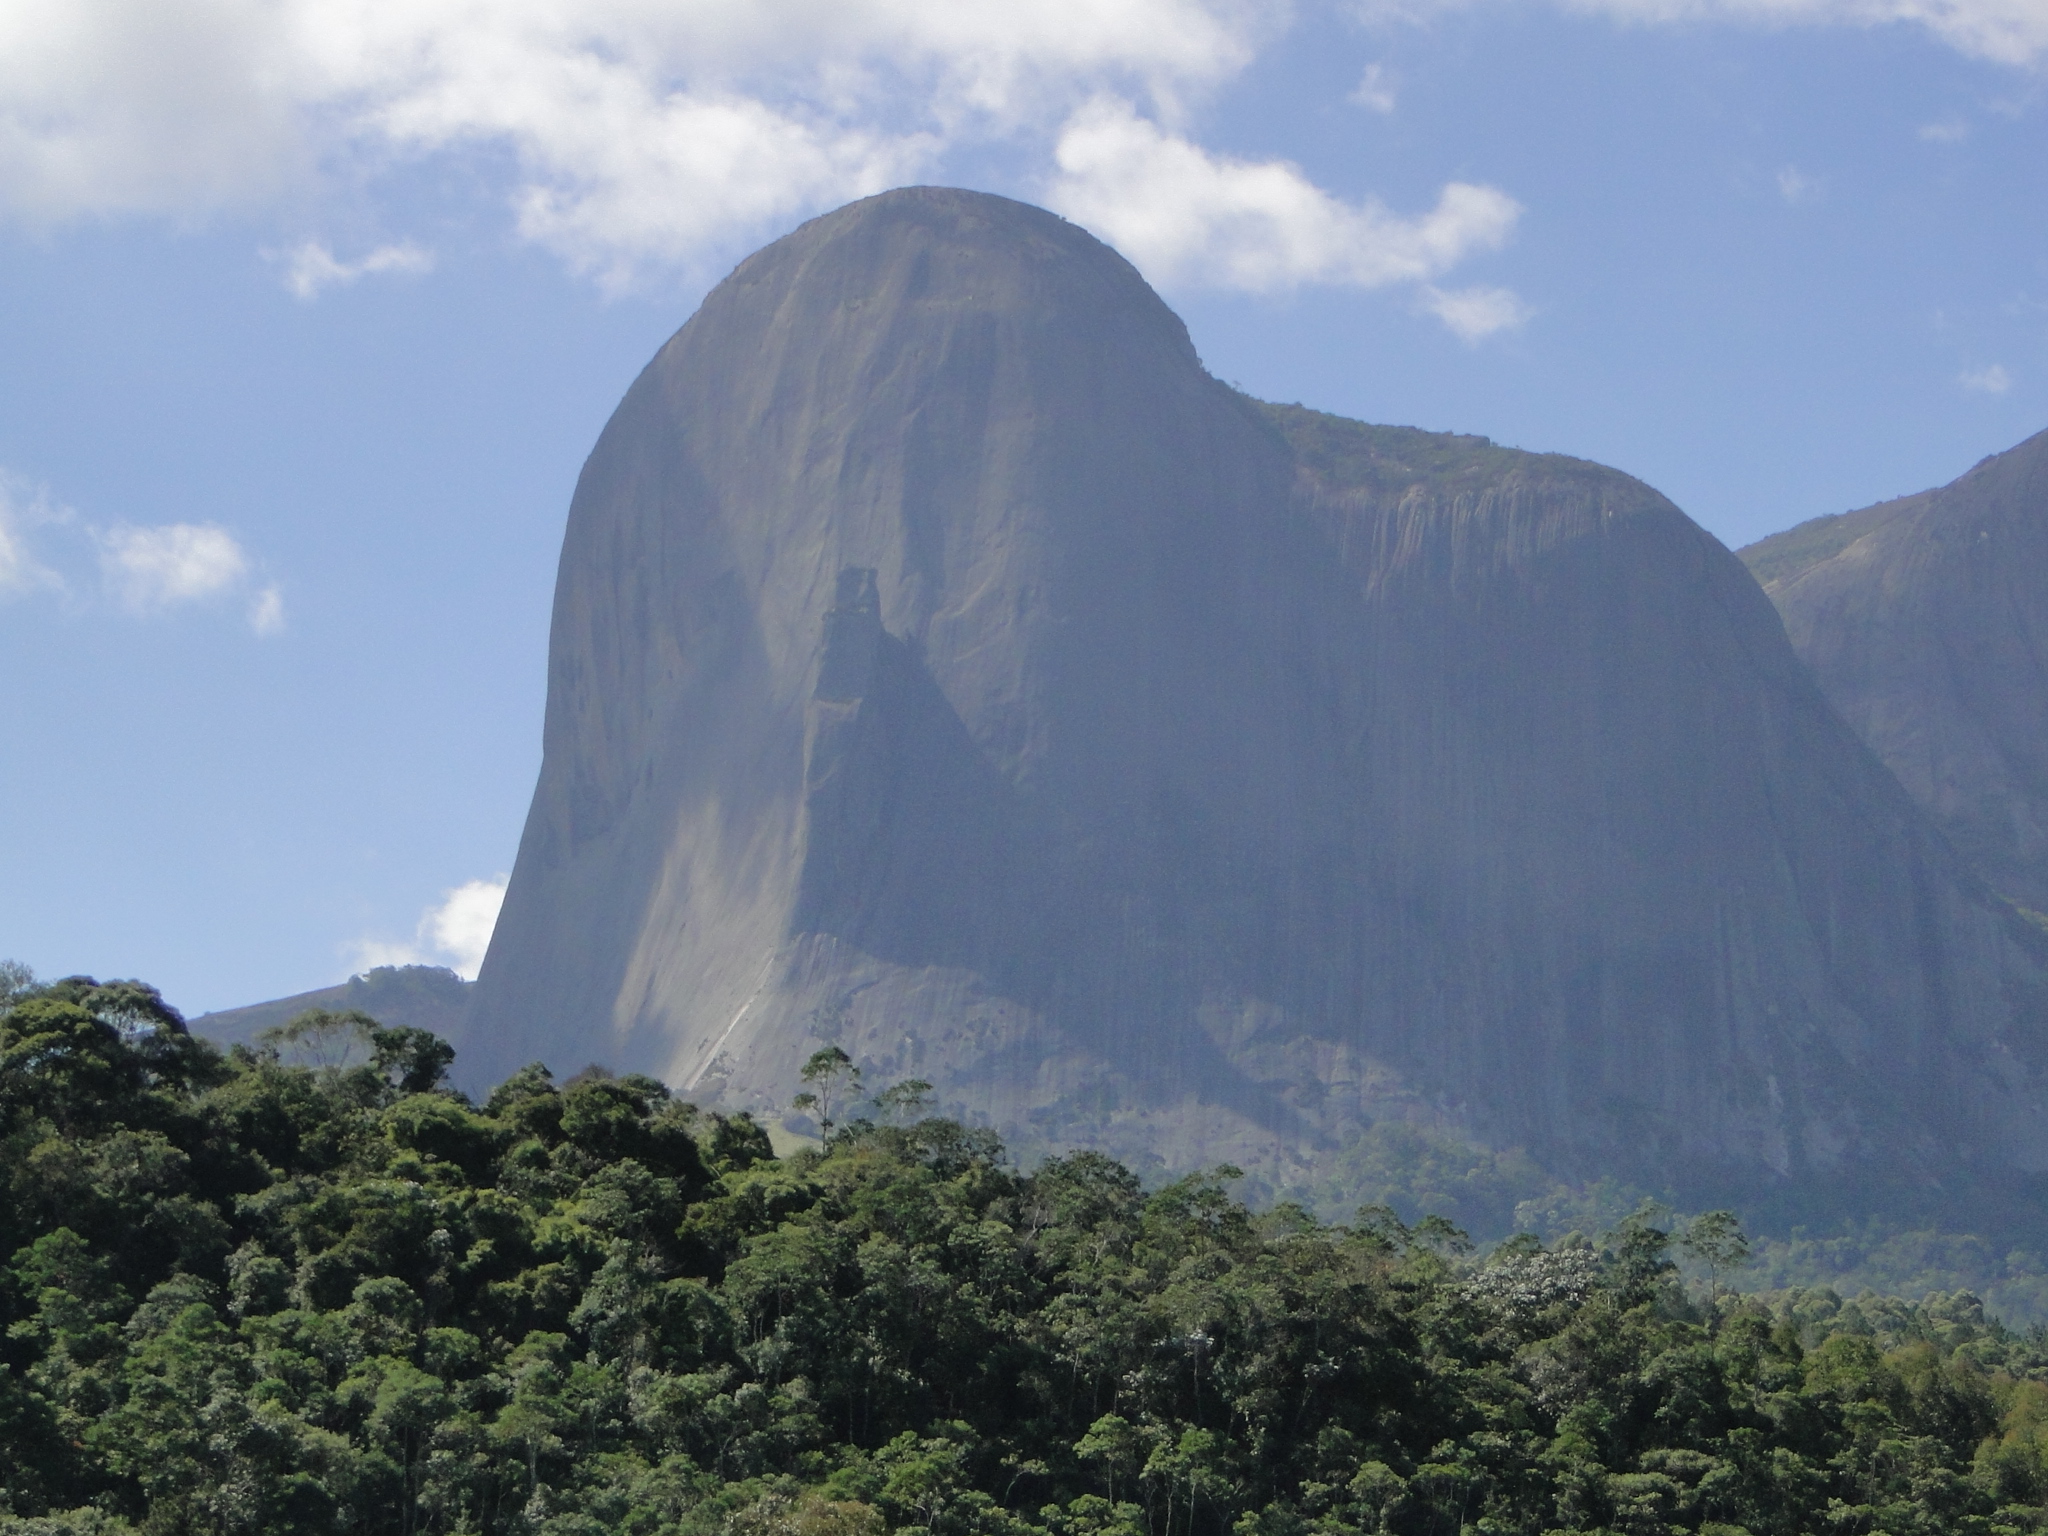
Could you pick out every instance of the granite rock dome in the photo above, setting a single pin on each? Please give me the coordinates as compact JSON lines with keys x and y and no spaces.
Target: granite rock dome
{"x":944,"y":665}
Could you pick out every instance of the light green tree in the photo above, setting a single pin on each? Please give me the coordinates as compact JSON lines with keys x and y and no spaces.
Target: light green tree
{"x":832,"y":1078}
{"x":1715,"y":1241}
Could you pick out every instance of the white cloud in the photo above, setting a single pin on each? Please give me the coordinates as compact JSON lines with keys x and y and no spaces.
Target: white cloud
{"x":455,"y":932}
{"x":266,"y":611}
{"x":2003,"y":31}
{"x":1473,"y":314}
{"x":21,"y":508}
{"x":1375,"y":89}
{"x":1185,"y":216}
{"x":461,"y":926}
{"x":636,"y":131}
{"x":145,"y":570}
{"x":18,"y":569}
{"x":1991,"y":380}
{"x":1950,"y":131}
{"x":312,"y":267}
{"x":625,"y":134}
{"x":127,"y":106}
{"x":149,"y":569}
{"x":1795,"y":186}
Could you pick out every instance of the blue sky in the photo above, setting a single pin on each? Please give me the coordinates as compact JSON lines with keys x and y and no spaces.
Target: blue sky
{"x":309,"y":314}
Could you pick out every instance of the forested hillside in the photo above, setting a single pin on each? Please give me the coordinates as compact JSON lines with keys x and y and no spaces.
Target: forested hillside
{"x":305,"y":1288}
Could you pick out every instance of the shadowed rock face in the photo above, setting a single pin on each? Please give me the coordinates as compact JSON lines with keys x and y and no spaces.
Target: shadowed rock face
{"x":1926,"y":621}
{"x":946,"y":666}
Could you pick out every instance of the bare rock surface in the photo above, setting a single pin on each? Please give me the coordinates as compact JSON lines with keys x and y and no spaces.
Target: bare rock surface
{"x":1926,"y":621}
{"x":945,"y":666}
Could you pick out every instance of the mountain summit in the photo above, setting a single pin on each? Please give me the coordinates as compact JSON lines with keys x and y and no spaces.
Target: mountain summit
{"x":1923,"y":620}
{"x":946,"y":667}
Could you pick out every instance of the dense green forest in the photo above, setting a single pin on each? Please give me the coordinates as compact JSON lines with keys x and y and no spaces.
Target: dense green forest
{"x":1890,"y":1237}
{"x":305,"y":1288}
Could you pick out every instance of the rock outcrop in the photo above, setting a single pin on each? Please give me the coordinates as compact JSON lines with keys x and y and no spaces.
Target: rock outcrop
{"x":944,"y":665}
{"x":1926,"y":621}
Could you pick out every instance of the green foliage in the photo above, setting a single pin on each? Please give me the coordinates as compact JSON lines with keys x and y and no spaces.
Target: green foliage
{"x":1891,"y":1260}
{"x":1716,"y":1242}
{"x":1783,"y":556}
{"x":1416,"y":1171}
{"x":1897,"y":1247}
{"x":306,"y":1288}
{"x":16,"y":982}
{"x":830,"y":1077}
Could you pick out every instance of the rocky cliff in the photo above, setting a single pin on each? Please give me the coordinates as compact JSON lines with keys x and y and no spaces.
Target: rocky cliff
{"x":1926,"y":621}
{"x":944,"y":665}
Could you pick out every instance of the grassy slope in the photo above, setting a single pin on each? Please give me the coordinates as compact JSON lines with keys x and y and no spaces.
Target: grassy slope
{"x":1785,"y":555}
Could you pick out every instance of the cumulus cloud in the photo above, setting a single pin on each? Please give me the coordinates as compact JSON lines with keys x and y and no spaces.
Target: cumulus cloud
{"x":461,"y":926}
{"x":126,"y":106}
{"x":311,"y":266}
{"x":1991,"y":380}
{"x":151,"y":569}
{"x":455,"y":931}
{"x":1186,"y":216}
{"x":1473,"y":314}
{"x":636,"y":130}
{"x":144,"y":570}
{"x":629,"y":134}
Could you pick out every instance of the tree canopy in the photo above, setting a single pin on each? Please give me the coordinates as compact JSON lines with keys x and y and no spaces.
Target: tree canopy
{"x":256,"y":1293}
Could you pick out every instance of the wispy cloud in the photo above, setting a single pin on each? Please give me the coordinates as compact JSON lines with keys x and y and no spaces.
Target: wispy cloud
{"x":23,"y":507}
{"x":1989,"y":380}
{"x":455,"y":931}
{"x":150,"y":569}
{"x":1949,"y":131}
{"x":1187,"y":217}
{"x":1795,"y":186}
{"x":2003,"y":31}
{"x":266,"y":611}
{"x":1375,"y":89}
{"x":310,"y":267}
{"x":1473,"y":314}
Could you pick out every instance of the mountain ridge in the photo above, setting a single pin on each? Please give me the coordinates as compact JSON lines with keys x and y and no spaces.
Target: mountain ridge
{"x":1922,"y":619}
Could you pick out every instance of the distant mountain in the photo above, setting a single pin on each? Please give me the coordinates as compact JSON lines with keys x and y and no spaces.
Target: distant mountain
{"x":1926,"y":621}
{"x":422,"y":996}
{"x":946,"y":667}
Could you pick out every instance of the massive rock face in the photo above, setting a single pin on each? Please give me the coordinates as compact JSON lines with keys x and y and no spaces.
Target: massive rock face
{"x":1926,"y":621}
{"x":946,"y":666}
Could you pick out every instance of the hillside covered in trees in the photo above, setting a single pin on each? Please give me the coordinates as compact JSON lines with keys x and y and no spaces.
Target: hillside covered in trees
{"x":305,"y":1288}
